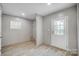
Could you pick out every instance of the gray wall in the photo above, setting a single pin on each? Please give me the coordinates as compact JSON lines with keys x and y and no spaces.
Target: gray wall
{"x":0,"y":27}
{"x":71,"y":13}
{"x":39,"y":30}
{"x":12,"y":36}
{"x":72,"y":28}
{"x":34,"y":30}
{"x":46,"y":26}
{"x":78,"y":25}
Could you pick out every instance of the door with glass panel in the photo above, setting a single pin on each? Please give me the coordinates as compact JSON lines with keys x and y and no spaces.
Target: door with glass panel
{"x":58,"y":32}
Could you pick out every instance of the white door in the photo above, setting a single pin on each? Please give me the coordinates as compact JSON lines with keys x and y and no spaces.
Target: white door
{"x":59,"y":32}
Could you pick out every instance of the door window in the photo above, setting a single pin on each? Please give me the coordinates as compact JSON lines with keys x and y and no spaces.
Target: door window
{"x":59,"y":27}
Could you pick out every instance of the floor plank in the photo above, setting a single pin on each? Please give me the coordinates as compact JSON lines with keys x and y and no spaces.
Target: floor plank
{"x":30,"y":49}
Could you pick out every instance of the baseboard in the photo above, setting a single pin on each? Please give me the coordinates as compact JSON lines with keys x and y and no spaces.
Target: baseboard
{"x":15,"y":44}
{"x":33,"y":39}
{"x":69,"y":52}
{"x":56,"y":47}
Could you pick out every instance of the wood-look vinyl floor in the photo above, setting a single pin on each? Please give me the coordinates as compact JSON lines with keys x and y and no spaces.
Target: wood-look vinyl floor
{"x":30,"y":49}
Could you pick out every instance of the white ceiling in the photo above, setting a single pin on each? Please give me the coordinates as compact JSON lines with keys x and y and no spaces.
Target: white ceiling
{"x":28,"y":10}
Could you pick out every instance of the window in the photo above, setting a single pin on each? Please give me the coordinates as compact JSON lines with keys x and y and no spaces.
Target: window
{"x":15,"y":25}
{"x":59,"y":27}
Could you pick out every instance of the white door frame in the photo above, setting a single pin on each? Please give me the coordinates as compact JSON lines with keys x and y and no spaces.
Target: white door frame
{"x":66,"y":36}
